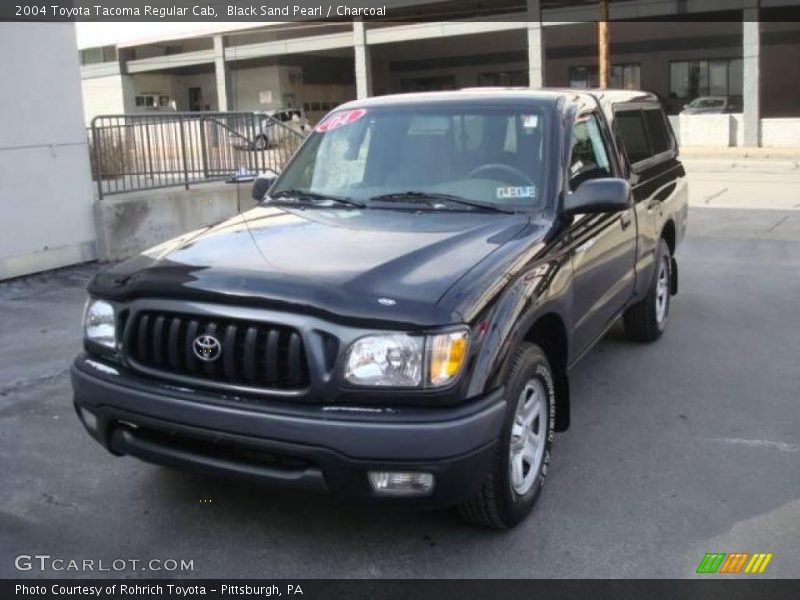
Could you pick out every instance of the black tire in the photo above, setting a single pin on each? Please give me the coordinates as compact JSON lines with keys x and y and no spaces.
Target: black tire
{"x":642,"y":322}
{"x":261,"y":143}
{"x":497,"y":504}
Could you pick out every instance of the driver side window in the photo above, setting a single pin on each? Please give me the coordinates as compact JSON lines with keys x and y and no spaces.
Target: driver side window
{"x":589,"y":157}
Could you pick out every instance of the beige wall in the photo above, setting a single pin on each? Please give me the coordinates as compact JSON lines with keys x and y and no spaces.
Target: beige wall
{"x":155,"y":83}
{"x":177,"y":87}
{"x":207,"y":83}
{"x":247,"y":85}
{"x":282,"y":81}
{"x":108,"y":95}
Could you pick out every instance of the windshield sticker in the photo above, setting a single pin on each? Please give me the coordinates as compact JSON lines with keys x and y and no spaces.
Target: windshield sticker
{"x":527,"y":191}
{"x":530,"y":121}
{"x":340,"y":119}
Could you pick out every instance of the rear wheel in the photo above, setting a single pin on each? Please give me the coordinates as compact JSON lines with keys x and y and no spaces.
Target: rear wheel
{"x":646,"y":320}
{"x":523,"y":451}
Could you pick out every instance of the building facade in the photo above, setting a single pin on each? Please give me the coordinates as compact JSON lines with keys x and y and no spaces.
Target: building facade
{"x":739,"y":51}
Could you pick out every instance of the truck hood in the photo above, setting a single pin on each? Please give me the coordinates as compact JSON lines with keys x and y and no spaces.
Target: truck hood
{"x":364,"y":266}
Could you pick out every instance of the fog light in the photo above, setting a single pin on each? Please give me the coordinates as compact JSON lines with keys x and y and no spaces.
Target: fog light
{"x":89,"y":419}
{"x":400,"y":483}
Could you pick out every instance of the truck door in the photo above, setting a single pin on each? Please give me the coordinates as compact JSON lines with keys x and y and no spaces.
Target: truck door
{"x":604,"y":246}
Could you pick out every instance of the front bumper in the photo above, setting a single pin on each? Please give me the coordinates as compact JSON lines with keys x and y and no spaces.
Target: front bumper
{"x":317,"y":448}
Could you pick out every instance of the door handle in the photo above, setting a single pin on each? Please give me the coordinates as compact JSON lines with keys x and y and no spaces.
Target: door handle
{"x":625,"y":219}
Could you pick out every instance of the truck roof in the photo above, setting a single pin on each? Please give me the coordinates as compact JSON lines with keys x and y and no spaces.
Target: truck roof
{"x":511,"y":95}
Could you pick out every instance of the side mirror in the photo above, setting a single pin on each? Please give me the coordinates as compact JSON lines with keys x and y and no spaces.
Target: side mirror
{"x":605,"y":195}
{"x":261,"y":185}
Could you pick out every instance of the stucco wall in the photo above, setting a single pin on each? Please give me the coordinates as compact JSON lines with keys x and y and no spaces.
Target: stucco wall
{"x":107,"y":95}
{"x":45,"y":184}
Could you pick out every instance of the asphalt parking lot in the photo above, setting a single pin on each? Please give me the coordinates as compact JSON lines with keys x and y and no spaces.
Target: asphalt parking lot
{"x":687,"y":446}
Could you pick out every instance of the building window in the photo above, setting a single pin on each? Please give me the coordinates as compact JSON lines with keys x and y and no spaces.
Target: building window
{"x":99,"y":54}
{"x":152,"y":101}
{"x":145,"y":101}
{"x":503,"y":79}
{"x":626,"y":76}
{"x":714,"y":77}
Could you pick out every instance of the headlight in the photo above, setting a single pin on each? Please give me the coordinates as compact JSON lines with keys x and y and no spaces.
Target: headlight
{"x":386,"y":360}
{"x":99,"y":323}
{"x":406,"y":361}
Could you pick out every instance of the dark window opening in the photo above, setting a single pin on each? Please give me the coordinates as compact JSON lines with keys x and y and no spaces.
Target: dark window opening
{"x":632,"y":134}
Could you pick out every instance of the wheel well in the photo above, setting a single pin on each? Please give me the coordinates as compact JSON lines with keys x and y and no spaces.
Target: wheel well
{"x":668,"y":233}
{"x":550,"y":334}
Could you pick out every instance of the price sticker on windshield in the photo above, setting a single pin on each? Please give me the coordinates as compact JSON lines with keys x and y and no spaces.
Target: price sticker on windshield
{"x":340,"y":119}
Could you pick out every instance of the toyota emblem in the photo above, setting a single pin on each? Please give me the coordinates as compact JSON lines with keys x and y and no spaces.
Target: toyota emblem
{"x":206,"y":347}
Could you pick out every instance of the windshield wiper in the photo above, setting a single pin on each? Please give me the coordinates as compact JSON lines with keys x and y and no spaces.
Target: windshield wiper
{"x":412,"y":196}
{"x":308,"y":195}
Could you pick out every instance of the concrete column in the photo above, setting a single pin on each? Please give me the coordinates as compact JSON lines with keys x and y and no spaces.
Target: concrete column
{"x":535,"y":45}
{"x":363,"y":63}
{"x":751,"y":77}
{"x":223,"y":75}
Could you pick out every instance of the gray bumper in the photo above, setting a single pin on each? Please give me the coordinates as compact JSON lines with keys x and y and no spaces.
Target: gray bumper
{"x":369,"y":434}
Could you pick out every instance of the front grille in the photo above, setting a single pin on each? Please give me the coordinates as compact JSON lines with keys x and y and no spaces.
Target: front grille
{"x":251,"y":353}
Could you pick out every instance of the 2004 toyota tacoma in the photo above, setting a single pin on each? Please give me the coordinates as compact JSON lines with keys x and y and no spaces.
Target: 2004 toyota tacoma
{"x":396,"y":319}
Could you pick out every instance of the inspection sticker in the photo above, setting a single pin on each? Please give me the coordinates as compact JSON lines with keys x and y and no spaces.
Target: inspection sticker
{"x":530,"y":121}
{"x":526,"y":191}
{"x":340,"y":119}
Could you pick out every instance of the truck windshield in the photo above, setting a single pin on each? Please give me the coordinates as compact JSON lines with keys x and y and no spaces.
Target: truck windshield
{"x":488,"y":155}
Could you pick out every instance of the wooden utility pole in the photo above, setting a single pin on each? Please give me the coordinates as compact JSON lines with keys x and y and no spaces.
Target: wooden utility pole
{"x":602,"y":45}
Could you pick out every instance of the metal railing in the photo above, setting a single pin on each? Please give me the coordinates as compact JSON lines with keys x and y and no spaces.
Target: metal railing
{"x":150,"y":151}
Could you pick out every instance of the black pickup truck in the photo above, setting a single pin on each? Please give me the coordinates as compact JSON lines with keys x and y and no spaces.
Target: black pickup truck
{"x":396,"y":319}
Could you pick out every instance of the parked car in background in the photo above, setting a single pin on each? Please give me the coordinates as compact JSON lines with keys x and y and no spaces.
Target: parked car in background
{"x":268,"y":128}
{"x":707,"y":105}
{"x":396,"y":320}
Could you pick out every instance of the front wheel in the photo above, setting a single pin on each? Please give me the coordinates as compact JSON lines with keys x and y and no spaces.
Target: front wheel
{"x":646,"y":320}
{"x":520,"y":464}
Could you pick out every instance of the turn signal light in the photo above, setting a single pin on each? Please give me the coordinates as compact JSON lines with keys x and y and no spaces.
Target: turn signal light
{"x":448,"y":353}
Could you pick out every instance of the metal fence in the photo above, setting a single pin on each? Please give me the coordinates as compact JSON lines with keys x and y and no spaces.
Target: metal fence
{"x":141,"y":152}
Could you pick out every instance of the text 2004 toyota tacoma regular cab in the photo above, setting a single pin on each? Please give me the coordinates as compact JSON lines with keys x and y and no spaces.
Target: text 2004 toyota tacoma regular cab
{"x":395,"y":321}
